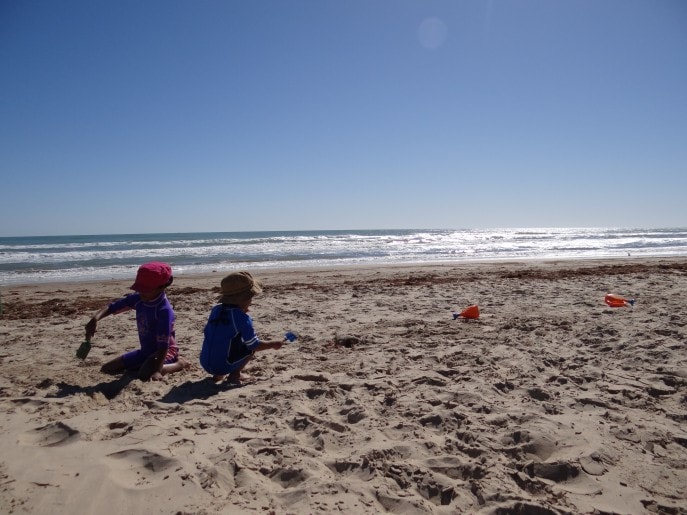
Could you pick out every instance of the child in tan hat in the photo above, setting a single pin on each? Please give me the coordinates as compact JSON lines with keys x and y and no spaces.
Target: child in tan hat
{"x":230,"y":340}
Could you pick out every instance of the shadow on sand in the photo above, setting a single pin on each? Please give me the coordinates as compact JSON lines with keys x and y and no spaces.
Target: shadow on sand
{"x":188,"y":391}
{"x":110,"y":389}
{"x":194,"y":390}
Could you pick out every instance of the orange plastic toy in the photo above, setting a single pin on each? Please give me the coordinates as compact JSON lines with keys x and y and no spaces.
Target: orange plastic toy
{"x":469,"y":313}
{"x":617,"y":301}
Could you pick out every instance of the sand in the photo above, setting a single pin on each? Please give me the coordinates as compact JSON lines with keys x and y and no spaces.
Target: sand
{"x":550,"y":403}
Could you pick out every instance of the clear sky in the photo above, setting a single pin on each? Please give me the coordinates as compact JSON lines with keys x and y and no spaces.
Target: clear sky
{"x":207,"y":115}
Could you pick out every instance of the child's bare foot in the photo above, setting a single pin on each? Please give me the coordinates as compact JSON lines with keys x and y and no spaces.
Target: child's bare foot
{"x":177,"y":366}
{"x":217,"y":378}
{"x":238,"y":378}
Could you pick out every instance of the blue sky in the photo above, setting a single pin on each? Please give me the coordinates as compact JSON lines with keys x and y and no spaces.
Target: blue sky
{"x":171,"y":116}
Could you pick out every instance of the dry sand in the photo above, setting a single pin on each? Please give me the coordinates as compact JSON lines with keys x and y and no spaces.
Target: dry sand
{"x":550,"y":403}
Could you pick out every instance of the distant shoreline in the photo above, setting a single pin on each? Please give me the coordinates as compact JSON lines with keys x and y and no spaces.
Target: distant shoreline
{"x":479,"y":264}
{"x":86,"y":258}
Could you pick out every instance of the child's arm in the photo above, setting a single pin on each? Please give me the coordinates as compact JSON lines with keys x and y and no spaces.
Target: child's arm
{"x":269,"y":345}
{"x":93,"y":322}
{"x":152,"y":367}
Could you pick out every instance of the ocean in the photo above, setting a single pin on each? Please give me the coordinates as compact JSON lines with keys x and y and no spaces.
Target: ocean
{"x":26,"y":260}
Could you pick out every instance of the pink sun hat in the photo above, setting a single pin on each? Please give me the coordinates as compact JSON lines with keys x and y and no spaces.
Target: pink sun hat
{"x":151,"y":276}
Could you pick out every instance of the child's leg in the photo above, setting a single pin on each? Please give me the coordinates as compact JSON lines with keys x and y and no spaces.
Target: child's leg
{"x":179,"y":365}
{"x":131,"y":360}
{"x":113,"y":366}
{"x":235,"y":375}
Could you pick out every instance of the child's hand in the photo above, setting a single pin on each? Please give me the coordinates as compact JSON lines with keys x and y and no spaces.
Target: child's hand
{"x":157,"y":376}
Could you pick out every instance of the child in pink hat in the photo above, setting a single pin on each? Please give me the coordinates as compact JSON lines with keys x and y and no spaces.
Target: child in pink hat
{"x":159,"y":354}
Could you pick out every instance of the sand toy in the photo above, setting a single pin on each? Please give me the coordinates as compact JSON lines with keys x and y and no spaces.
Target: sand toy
{"x":83,"y":349}
{"x":469,"y":313}
{"x":618,"y":301}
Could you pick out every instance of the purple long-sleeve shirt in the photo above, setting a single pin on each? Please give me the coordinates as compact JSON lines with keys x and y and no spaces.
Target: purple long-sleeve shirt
{"x":155,"y":321}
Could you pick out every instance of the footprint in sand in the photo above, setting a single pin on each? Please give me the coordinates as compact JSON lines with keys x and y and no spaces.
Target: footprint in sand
{"x":139,"y":468}
{"x":112,"y":430}
{"x":456,"y":467}
{"x":524,"y":508}
{"x":592,"y":464}
{"x":361,"y":469}
{"x":558,"y":471}
{"x":29,"y":405}
{"x":55,"y":433}
{"x":526,"y":445}
{"x":288,"y":477}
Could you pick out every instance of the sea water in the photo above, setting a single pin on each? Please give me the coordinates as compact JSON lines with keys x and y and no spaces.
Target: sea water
{"x":25,"y":260}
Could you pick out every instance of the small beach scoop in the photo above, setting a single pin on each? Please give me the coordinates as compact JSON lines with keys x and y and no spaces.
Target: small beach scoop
{"x":617,"y":301}
{"x":290,"y":337}
{"x":469,"y":313}
{"x":83,"y":349}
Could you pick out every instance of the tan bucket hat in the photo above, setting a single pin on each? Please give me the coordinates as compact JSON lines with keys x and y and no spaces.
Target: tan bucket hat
{"x":239,"y":286}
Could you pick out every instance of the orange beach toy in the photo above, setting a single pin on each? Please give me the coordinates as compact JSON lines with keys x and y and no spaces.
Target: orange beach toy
{"x":469,"y":313}
{"x":617,"y":301}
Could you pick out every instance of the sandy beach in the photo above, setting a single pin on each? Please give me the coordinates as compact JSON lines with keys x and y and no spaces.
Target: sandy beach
{"x":551,"y":402}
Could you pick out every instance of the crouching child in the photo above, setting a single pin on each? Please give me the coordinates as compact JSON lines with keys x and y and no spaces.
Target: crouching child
{"x":230,"y":341}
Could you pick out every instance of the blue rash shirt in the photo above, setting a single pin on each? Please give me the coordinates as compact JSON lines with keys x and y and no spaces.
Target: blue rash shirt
{"x":229,"y":340}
